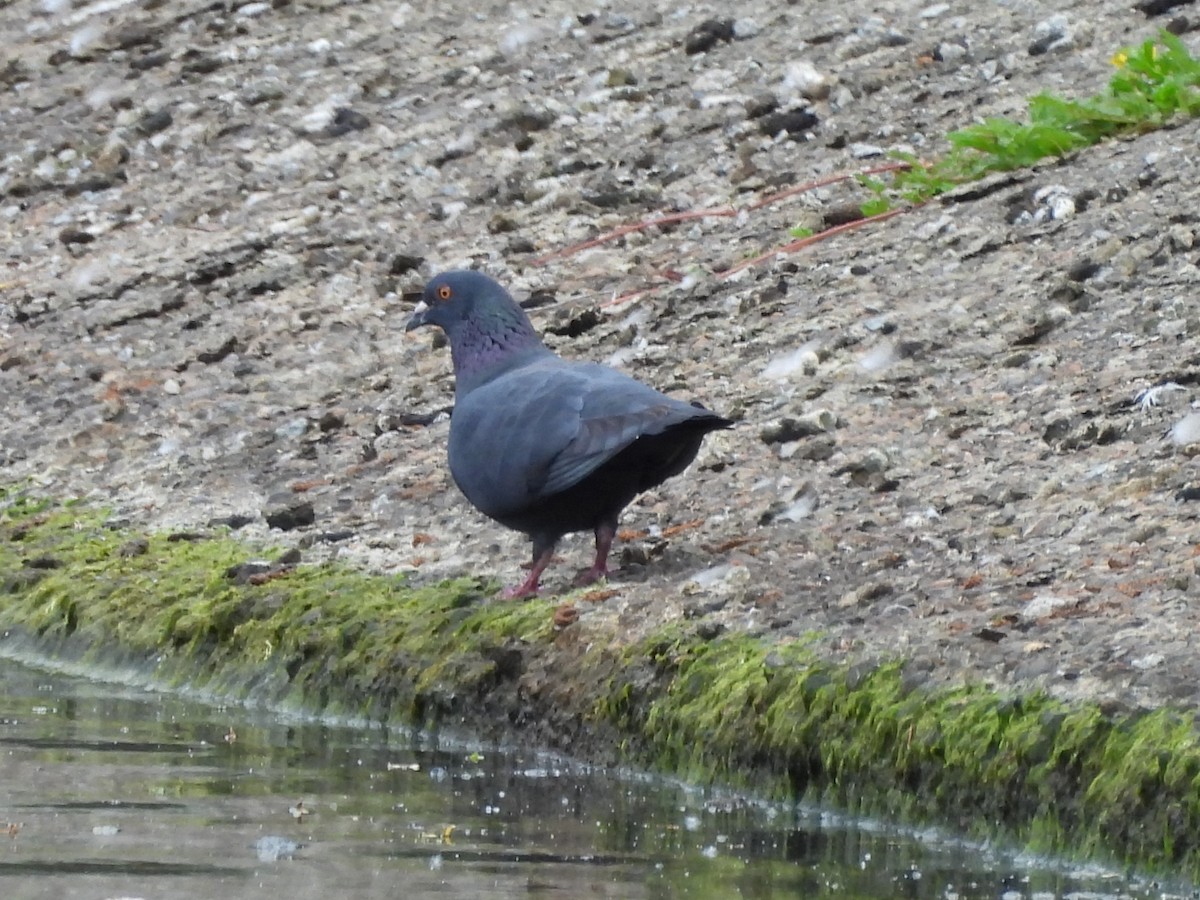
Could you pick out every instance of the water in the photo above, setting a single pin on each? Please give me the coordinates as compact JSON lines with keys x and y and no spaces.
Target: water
{"x":114,"y":792}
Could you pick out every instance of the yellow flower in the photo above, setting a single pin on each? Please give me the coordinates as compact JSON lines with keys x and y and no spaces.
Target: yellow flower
{"x":1120,"y":58}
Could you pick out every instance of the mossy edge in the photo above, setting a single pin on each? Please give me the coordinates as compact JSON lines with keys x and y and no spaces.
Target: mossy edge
{"x":767,"y":715}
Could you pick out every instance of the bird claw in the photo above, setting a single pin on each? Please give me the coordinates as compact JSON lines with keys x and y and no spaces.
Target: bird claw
{"x":519,"y":591}
{"x":590,"y":576}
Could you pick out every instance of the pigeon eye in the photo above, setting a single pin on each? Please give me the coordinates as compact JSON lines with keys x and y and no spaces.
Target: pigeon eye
{"x":444,"y":292}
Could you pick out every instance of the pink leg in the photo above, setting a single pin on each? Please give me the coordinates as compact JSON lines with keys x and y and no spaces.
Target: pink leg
{"x":599,"y":569}
{"x":529,"y":587}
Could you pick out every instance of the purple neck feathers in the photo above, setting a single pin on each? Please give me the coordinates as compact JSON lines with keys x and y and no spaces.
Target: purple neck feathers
{"x":483,"y":350}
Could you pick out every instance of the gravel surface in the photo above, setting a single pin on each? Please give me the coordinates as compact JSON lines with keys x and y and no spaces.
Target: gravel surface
{"x":216,"y":214}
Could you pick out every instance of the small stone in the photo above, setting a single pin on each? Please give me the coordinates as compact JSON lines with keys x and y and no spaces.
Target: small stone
{"x":1046,"y":604}
{"x":291,"y":517}
{"x":241,"y":573}
{"x":346,"y":120}
{"x":292,"y":429}
{"x":272,"y":848}
{"x":135,"y":547}
{"x":405,"y":262}
{"x":233,"y":522}
{"x":153,"y":123}
{"x":1150,"y":8}
{"x":517,"y":38}
{"x":332,"y":420}
{"x":761,"y":104}
{"x":950,"y":52}
{"x":219,"y":353}
{"x":706,"y":35}
{"x":1149,"y":661}
{"x":802,"y":360}
{"x":1052,"y":34}
{"x":1179,"y":25}
{"x":72,"y":235}
{"x":111,"y":158}
{"x":619,"y":78}
{"x":1056,"y":202}
{"x":882,"y":356}
{"x":796,"y":123}
{"x":793,"y":429}
{"x":744,"y":29}
{"x":866,"y":151}
{"x":1083,"y":269}
{"x":1186,"y":430}
{"x":803,"y":78}
{"x":171,"y":386}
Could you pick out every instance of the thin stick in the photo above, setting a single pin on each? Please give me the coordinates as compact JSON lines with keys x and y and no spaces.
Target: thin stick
{"x":822,"y":182}
{"x":672,"y":219}
{"x":811,"y":239}
{"x":716,"y":212}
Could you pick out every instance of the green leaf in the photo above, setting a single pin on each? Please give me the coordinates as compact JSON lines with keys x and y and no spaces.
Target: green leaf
{"x":875,"y":207}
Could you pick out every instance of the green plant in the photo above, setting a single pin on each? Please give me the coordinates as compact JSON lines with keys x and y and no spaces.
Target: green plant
{"x":1154,"y":83}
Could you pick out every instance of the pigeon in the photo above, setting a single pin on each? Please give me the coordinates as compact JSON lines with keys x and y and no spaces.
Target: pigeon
{"x":543,"y":445}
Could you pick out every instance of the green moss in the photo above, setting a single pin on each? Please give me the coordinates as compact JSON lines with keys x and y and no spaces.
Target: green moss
{"x":775,"y":716}
{"x":1054,"y":777}
{"x":324,"y":636}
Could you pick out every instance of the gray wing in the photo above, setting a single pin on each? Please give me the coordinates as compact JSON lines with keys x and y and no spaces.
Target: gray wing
{"x":540,"y":429}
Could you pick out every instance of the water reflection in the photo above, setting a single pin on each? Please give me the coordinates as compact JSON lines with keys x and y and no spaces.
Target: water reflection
{"x":114,"y":792}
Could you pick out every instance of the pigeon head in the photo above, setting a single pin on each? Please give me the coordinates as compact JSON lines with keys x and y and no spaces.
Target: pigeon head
{"x":488,"y":331}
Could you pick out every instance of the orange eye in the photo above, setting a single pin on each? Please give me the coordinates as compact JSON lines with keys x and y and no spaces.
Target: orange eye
{"x":444,"y":292}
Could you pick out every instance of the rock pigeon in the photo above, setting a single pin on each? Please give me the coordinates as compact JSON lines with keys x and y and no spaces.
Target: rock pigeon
{"x":543,"y":445}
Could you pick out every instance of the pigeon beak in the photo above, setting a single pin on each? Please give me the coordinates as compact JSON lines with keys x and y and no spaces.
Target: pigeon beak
{"x":419,"y":316}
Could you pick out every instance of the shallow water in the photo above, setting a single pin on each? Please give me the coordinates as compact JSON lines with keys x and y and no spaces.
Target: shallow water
{"x":116,"y":792}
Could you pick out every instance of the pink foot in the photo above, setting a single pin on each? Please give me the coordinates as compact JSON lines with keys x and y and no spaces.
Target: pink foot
{"x":529,"y":587}
{"x":599,"y":569}
{"x":590,"y":576}
{"x":526,"y":588}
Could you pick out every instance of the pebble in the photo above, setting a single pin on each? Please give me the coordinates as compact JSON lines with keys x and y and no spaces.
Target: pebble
{"x":802,"y":360}
{"x":1056,"y":201}
{"x":292,"y":516}
{"x":803,"y":505}
{"x":1052,"y":35}
{"x":250,"y":10}
{"x":1187,"y":430}
{"x":707,"y":35}
{"x":866,"y":151}
{"x":951,"y":53}
{"x":802,"y":78}
{"x":744,"y":29}
{"x":85,"y":38}
{"x":272,"y":848}
{"x":880,"y":357}
{"x":1044,"y":604}
{"x":517,"y":38}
